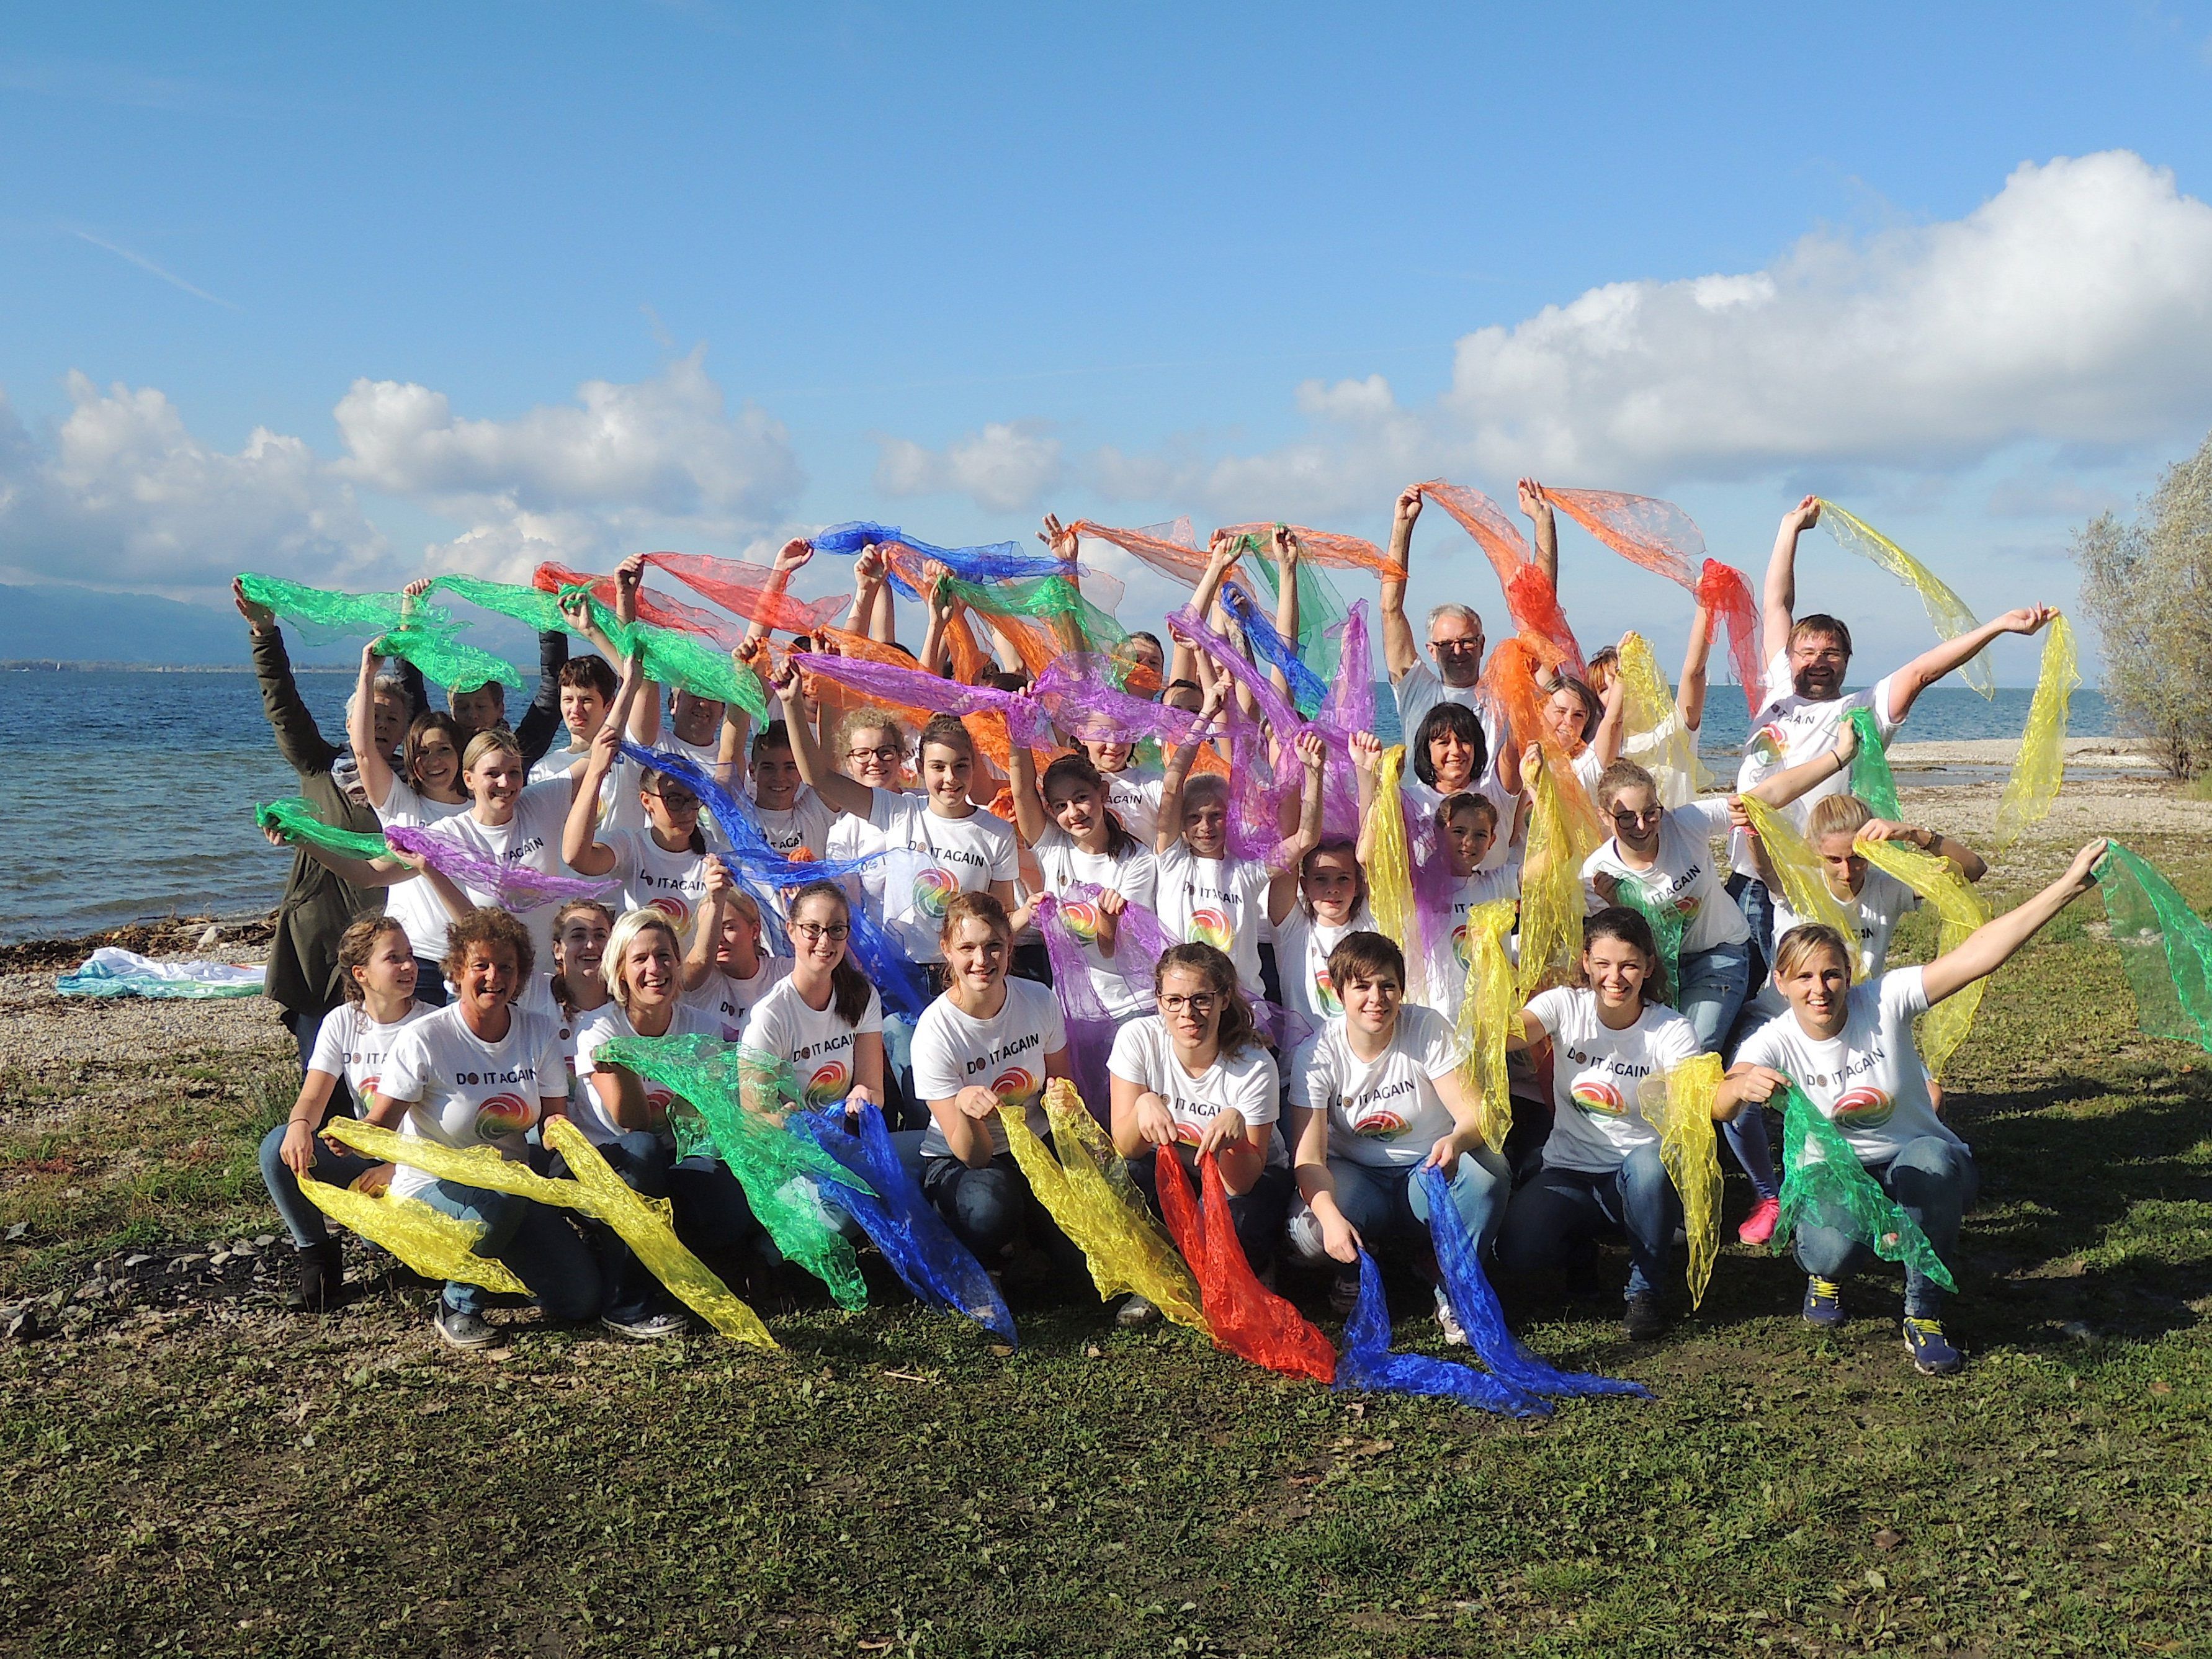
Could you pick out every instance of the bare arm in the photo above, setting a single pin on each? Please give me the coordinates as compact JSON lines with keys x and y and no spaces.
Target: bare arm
{"x":1779,"y":604}
{"x":1031,"y":820}
{"x":1283,"y":886}
{"x":839,"y":792}
{"x":874,"y":613}
{"x":944,"y":604}
{"x":361,"y":732}
{"x":1366,"y":766}
{"x":1690,"y":695}
{"x":1792,"y":782}
{"x":788,"y":558}
{"x":1169,"y":830}
{"x":1538,"y":507}
{"x":1924,"y":670}
{"x":1993,"y":944}
{"x":1963,"y":858}
{"x":1287,"y":553}
{"x":1604,"y":742}
{"x":581,"y":848}
{"x":730,"y":742}
{"x":1399,"y":651}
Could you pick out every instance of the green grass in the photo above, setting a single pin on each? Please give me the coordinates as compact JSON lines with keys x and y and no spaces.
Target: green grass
{"x":891,"y":1485}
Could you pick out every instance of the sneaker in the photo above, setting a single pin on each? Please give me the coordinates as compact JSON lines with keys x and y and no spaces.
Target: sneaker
{"x":1643,"y":1318}
{"x":1447,"y":1321}
{"x":1343,"y":1293}
{"x":1931,"y":1350}
{"x":1135,"y":1313}
{"x":1759,"y":1226}
{"x":647,"y":1327}
{"x":1824,"y":1303}
{"x":463,"y":1329}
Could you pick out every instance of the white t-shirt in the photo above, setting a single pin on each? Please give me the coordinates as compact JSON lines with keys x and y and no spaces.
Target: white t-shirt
{"x":1005,"y":1055}
{"x":1144,"y":1055}
{"x":806,"y":822}
{"x":352,"y":1045}
{"x":1385,"y":1112}
{"x":1302,"y":948}
{"x":620,"y":809}
{"x":1132,"y":795}
{"x":1790,"y":729}
{"x":930,"y":859}
{"x":1418,"y":691}
{"x":1597,"y":1118}
{"x":1217,"y":901}
{"x":463,"y":1091}
{"x":1880,"y":903}
{"x":1450,"y":954}
{"x":654,"y":878}
{"x":537,"y":998}
{"x":816,"y":1044}
{"x":732,"y":1001}
{"x":1134,"y":873}
{"x":1867,"y":1080}
{"x":602,"y":1026}
{"x":415,"y":904}
{"x":531,"y":838}
{"x":1422,"y":801}
{"x":1688,"y":872}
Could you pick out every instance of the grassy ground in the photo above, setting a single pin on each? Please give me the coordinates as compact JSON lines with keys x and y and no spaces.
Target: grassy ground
{"x":226,"y":1478}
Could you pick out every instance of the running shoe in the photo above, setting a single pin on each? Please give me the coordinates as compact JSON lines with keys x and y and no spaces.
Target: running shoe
{"x":1759,"y":1226}
{"x":1931,"y":1350}
{"x":1824,"y":1303}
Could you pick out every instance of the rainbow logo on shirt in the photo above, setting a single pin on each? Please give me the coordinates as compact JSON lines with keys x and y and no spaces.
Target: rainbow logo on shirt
{"x":1594,"y":1099}
{"x":1862,"y":1109}
{"x":1012,"y":1086}
{"x":504,"y":1115}
{"x":1187,"y":1134}
{"x":1462,"y":953}
{"x":933,"y":890}
{"x":1379,"y":1123}
{"x":828,"y":1084}
{"x":1082,"y":919}
{"x":1769,"y":742}
{"x":657,"y":1101}
{"x":1212,"y":926}
{"x":1325,"y":998}
{"x":673,"y":907}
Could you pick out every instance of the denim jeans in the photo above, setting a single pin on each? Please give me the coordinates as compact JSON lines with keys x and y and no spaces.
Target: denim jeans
{"x":631,"y":1291}
{"x":309,"y":1227}
{"x":535,"y":1241}
{"x":1384,"y":1203}
{"x":989,"y":1208}
{"x":1256,"y":1216}
{"x":1551,"y":1218}
{"x":1758,"y":907}
{"x":714,"y":1217}
{"x":1714,"y":984}
{"x":1934,"y":1181}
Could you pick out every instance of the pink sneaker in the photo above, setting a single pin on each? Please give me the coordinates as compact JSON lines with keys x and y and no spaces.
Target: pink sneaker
{"x":1759,"y":1226}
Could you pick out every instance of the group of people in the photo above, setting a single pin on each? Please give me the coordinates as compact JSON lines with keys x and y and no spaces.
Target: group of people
{"x":1259,"y":1016}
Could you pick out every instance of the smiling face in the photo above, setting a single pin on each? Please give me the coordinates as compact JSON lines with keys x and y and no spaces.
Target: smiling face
{"x":580,"y":948}
{"x":976,"y":952}
{"x":1615,"y":971}
{"x":775,"y":777}
{"x":1637,"y":814}
{"x":821,"y":929}
{"x":693,"y":718}
{"x":1817,"y":663}
{"x":1371,"y":1002}
{"x":1079,"y":809}
{"x":437,"y":762}
{"x":944,"y":771}
{"x":647,"y":969}
{"x":494,"y":782}
{"x":1206,"y":820}
{"x":1453,"y":758}
{"x":489,"y":980}
{"x":873,"y":755}
{"x":1331,"y":884}
{"x":1110,"y":757}
{"x":671,"y":810}
{"x":1842,"y":863}
{"x":1563,"y":718}
{"x":1818,"y":989}
{"x":1456,"y":646}
{"x":1468,"y":836}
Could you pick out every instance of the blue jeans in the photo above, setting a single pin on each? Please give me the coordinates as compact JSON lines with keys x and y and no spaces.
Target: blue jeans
{"x":643,"y":1163}
{"x":308,"y":1225}
{"x":713,"y":1218}
{"x":1714,"y":984}
{"x":1384,"y":1202}
{"x":1758,"y":907}
{"x":429,"y":983}
{"x":1256,"y":1216}
{"x":534,"y":1240}
{"x":1934,"y":1181}
{"x":989,"y":1208}
{"x":1551,"y":1219}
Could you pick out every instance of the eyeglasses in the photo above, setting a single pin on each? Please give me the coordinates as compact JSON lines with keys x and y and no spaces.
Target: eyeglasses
{"x":1199,"y":1003}
{"x":675,"y":800}
{"x":1651,"y":815}
{"x":888,"y":752}
{"x":1474,"y":644}
{"x":815,"y":932}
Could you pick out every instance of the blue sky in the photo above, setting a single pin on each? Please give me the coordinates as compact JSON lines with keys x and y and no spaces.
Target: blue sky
{"x":331,"y":286}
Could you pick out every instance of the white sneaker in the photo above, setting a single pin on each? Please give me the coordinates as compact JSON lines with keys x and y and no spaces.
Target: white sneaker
{"x":1447,"y":1321}
{"x":1136,"y":1313}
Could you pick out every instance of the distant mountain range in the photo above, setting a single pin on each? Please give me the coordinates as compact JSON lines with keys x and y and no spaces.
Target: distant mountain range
{"x":57,"y":622}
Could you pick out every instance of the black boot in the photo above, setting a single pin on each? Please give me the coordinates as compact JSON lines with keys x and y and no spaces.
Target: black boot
{"x":321,"y":1283}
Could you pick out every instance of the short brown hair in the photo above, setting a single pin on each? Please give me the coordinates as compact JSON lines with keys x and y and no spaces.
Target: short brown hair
{"x":489,"y":928}
{"x":1621,"y":775}
{"x":1801,"y":941}
{"x":947,"y":730}
{"x":356,"y":946}
{"x":1365,"y":955}
{"x":1819,"y":622}
{"x":589,"y":672}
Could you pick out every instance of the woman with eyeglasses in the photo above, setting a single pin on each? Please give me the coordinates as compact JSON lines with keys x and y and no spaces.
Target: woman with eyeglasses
{"x":662,"y":867}
{"x":1194,"y":1079}
{"x":825,"y":1020}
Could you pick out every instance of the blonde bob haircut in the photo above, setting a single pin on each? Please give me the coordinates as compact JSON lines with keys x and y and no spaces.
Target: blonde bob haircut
{"x":627,"y":928}
{"x":484,"y":743}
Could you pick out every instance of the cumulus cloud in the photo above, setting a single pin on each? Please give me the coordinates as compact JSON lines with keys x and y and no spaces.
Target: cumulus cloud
{"x":1006,"y":467}
{"x":123,"y":492}
{"x":124,"y":495}
{"x":2073,"y":307}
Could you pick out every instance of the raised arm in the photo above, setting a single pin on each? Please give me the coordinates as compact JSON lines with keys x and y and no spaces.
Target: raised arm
{"x":1969,"y":864}
{"x":789,"y":558}
{"x":1606,"y":741}
{"x":301,"y":744}
{"x":1537,"y":507}
{"x":944,"y":604}
{"x":1924,"y":670}
{"x":874,"y":614}
{"x":1779,"y":604}
{"x":839,"y":793}
{"x":1690,"y":695}
{"x":1990,"y":945}
{"x":1367,"y":766}
{"x":1283,"y":885}
{"x":361,"y":731}
{"x":581,"y":850}
{"x":737,"y":724}
{"x":1030,"y":820}
{"x":1178,"y":769}
{"x":1287,"y":554}
{"x":1787,"y":785}
{"x":1399,"y":652}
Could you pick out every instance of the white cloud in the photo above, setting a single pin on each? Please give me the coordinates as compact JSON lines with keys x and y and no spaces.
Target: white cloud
{"x":2073,"y":307}
{"x":126,"y":495}
{"x":1006,"y":467}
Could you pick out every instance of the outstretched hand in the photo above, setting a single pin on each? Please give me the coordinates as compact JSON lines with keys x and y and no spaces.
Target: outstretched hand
{"x":2084,"y":872}
{"x":2027,"y":619}
{"x":257,"y":616}
{"x":1366,"y":752}
{"x":1409,"y":505}
{"x":1535,"y":503}
{"x":1804,"y":515}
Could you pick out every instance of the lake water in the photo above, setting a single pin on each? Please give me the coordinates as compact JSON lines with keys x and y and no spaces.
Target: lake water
{"x":130,"y":795}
